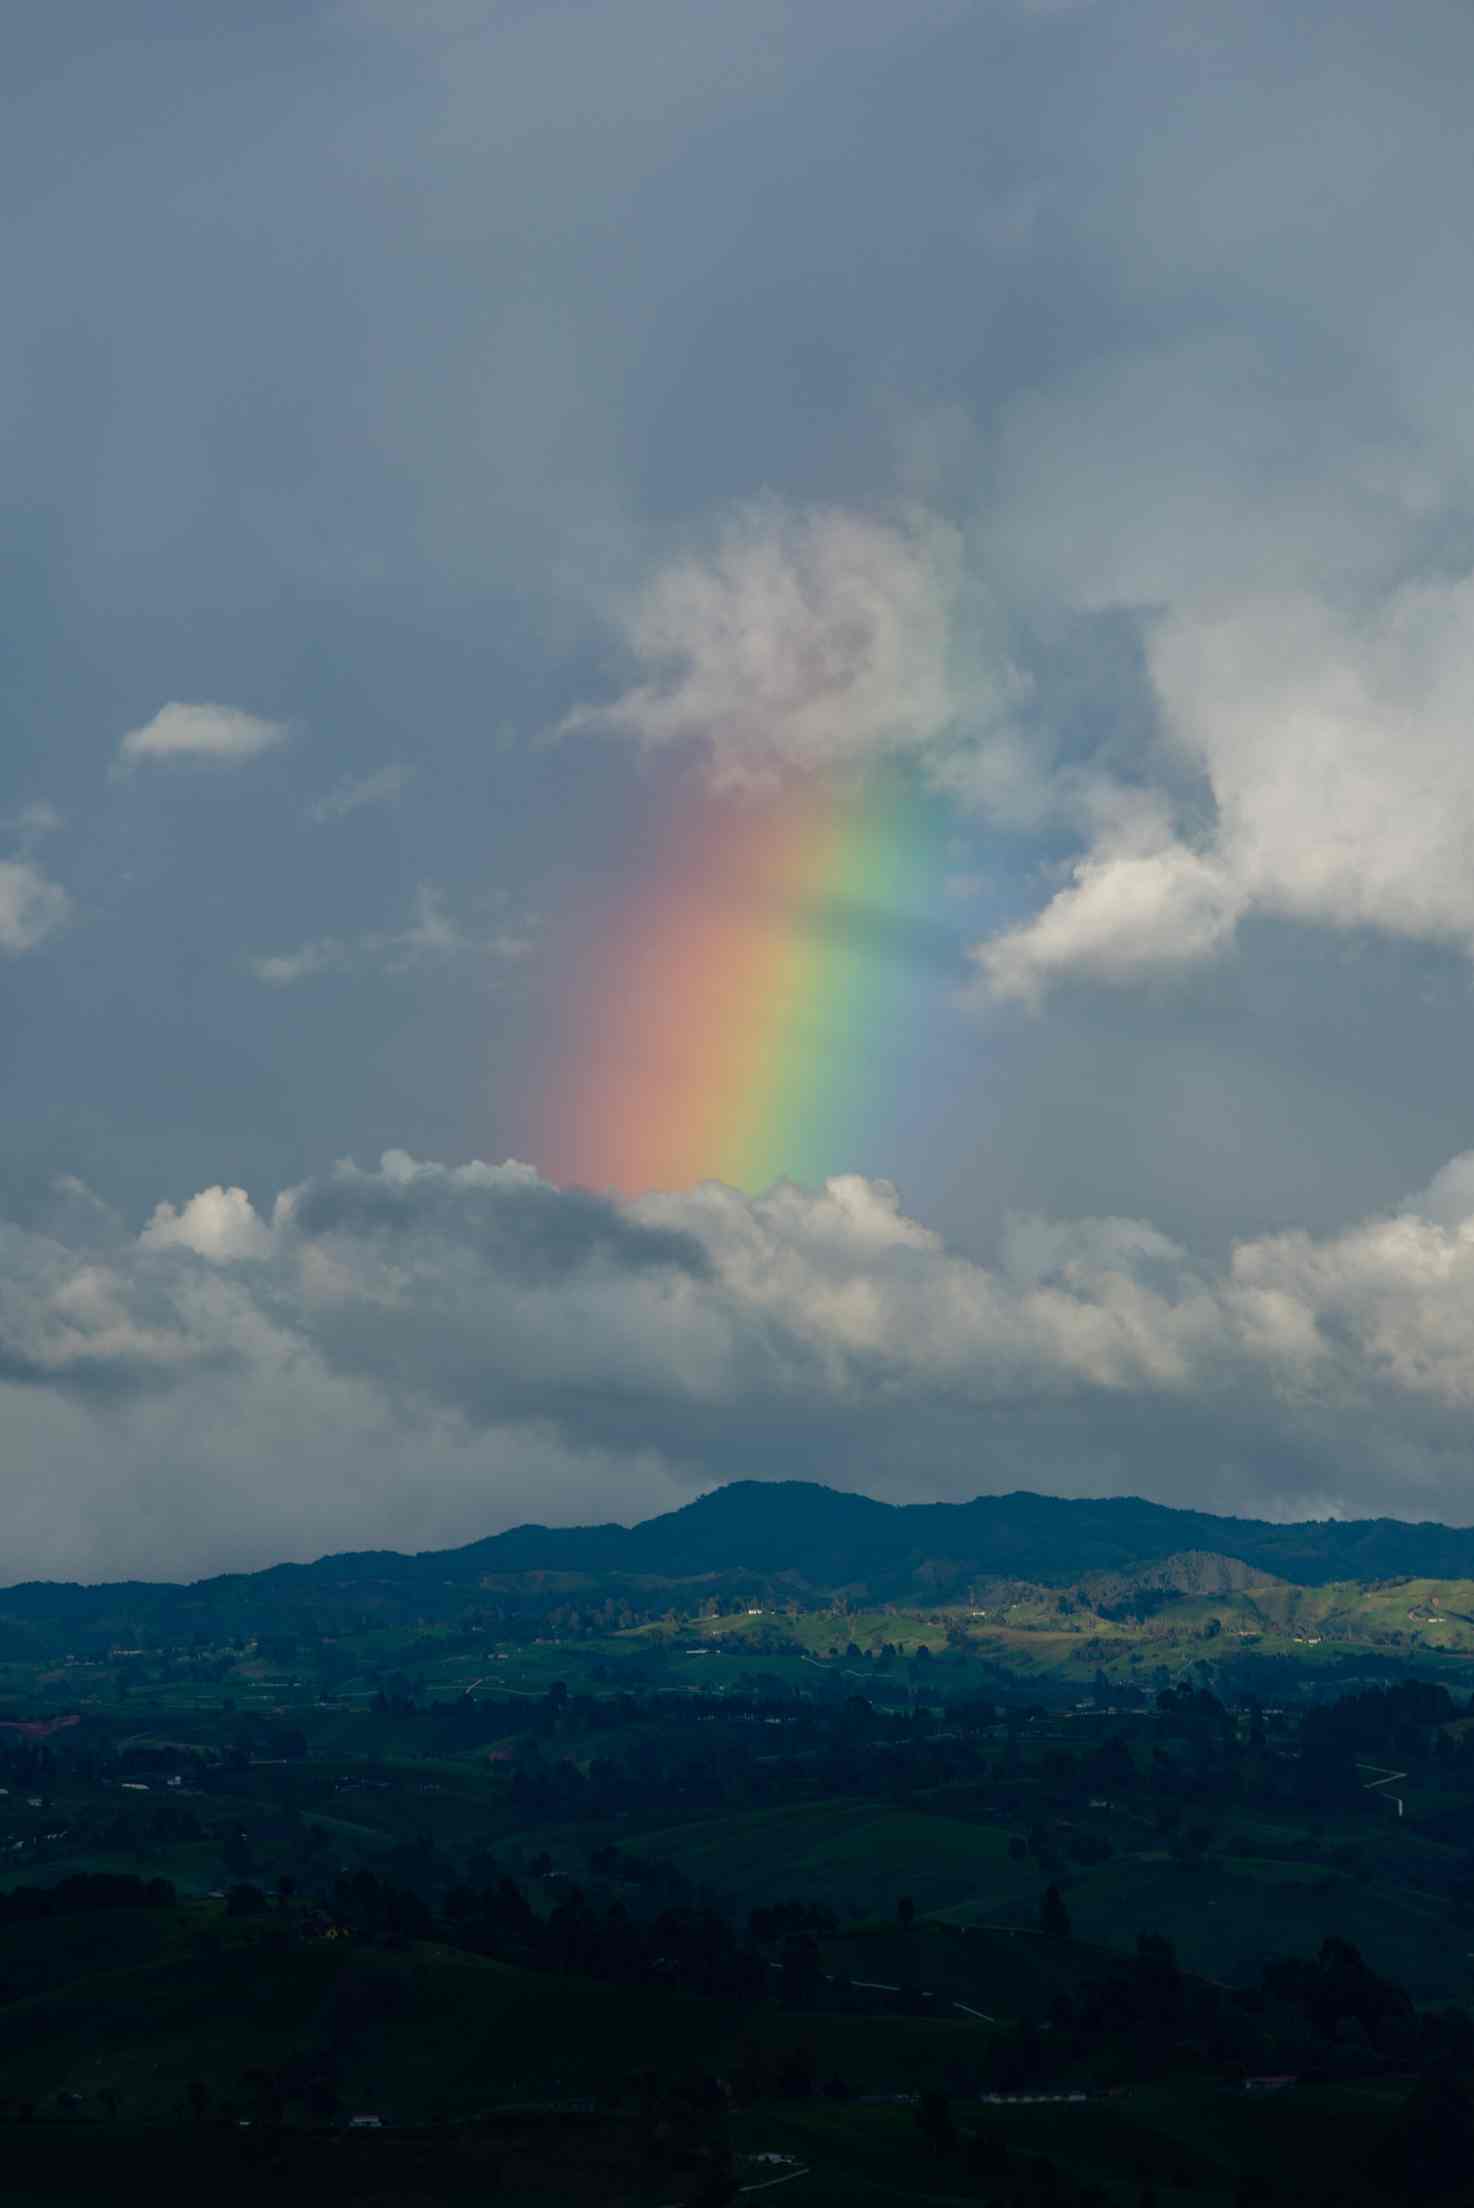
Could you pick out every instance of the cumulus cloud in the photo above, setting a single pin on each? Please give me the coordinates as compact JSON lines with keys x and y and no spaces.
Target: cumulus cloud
{"x":1337,"y":752}
{"x":32,"y":907}
{"x":220,"y":735}
{"x":218,"y":1223}
{"x":1123,"y":916}
{"x":1301,"y":756}
{"x":1331,"y":755}
{"x":799,"y":640}
{"x":478,"y":1322}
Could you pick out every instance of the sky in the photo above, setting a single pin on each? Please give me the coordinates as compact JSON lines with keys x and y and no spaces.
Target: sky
{"x":736,"y":744}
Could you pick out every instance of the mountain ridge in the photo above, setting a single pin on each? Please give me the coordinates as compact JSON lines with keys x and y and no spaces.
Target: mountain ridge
{"x":826,"y":1537}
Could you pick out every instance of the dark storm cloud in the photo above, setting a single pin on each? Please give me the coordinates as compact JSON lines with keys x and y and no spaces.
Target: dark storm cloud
{"x":522,"y":1229}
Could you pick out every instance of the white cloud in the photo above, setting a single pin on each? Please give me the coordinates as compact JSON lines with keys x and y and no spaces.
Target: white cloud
{"x":1337,"y":750}
{"x":32,"y":907}
{"x":800,"y":640}
{"x":220,"y":734}
{"x":1331,"y":754}
{"x":494,"y":1331}
{"x":1121,"y":918}
{"x":383,"y":787}
{"x":218,"y":1223}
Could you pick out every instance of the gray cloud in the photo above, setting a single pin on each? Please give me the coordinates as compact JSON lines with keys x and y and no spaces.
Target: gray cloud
{"x":488,"y":1320}
{"x":518,"y":1225}
{"x":802,"y":641}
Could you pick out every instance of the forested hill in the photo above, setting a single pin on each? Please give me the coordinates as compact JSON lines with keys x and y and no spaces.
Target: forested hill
{"x":830,"y":1538}
{"x":822,"y":1539}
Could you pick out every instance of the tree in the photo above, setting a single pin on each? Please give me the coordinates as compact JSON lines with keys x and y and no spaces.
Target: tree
{"x":1054,"y":1917}
{"x":934,"y":2121}
{"x":906,"y":1911}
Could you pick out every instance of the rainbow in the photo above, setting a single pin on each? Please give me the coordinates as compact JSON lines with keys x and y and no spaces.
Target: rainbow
{"x":749,"y":1006}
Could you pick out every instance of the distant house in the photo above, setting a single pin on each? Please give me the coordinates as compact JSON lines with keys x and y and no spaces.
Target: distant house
{"x":365,"y":2123}
{"x":1269,"y":2084}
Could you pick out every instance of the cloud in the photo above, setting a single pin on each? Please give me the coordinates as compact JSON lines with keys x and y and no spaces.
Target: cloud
{"x":1162,"y":318}
{"x":800,"y":640}
{"x":1336,"y":750}
{"x":74,"y":1321}
{"x":218,"y":1223}
{"x":383,"y":787}
{"x":218,"y":734}
{"x":1123,"y":917}
{"x":32,"y":907}
{"x":494,"y":1332}
{"x":1331,"y":756}
{"x":433,"y":936}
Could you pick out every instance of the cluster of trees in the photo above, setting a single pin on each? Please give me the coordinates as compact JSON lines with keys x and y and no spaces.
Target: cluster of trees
{"x":1142,"y":2015}
{"x":706,"y":1753}
{"x":701,"y":1754}
{"x":1137,"y":2015}
{"x":82,"y":1893}
{"x":1401,"y":1720}
{"x":689,"y":1946}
